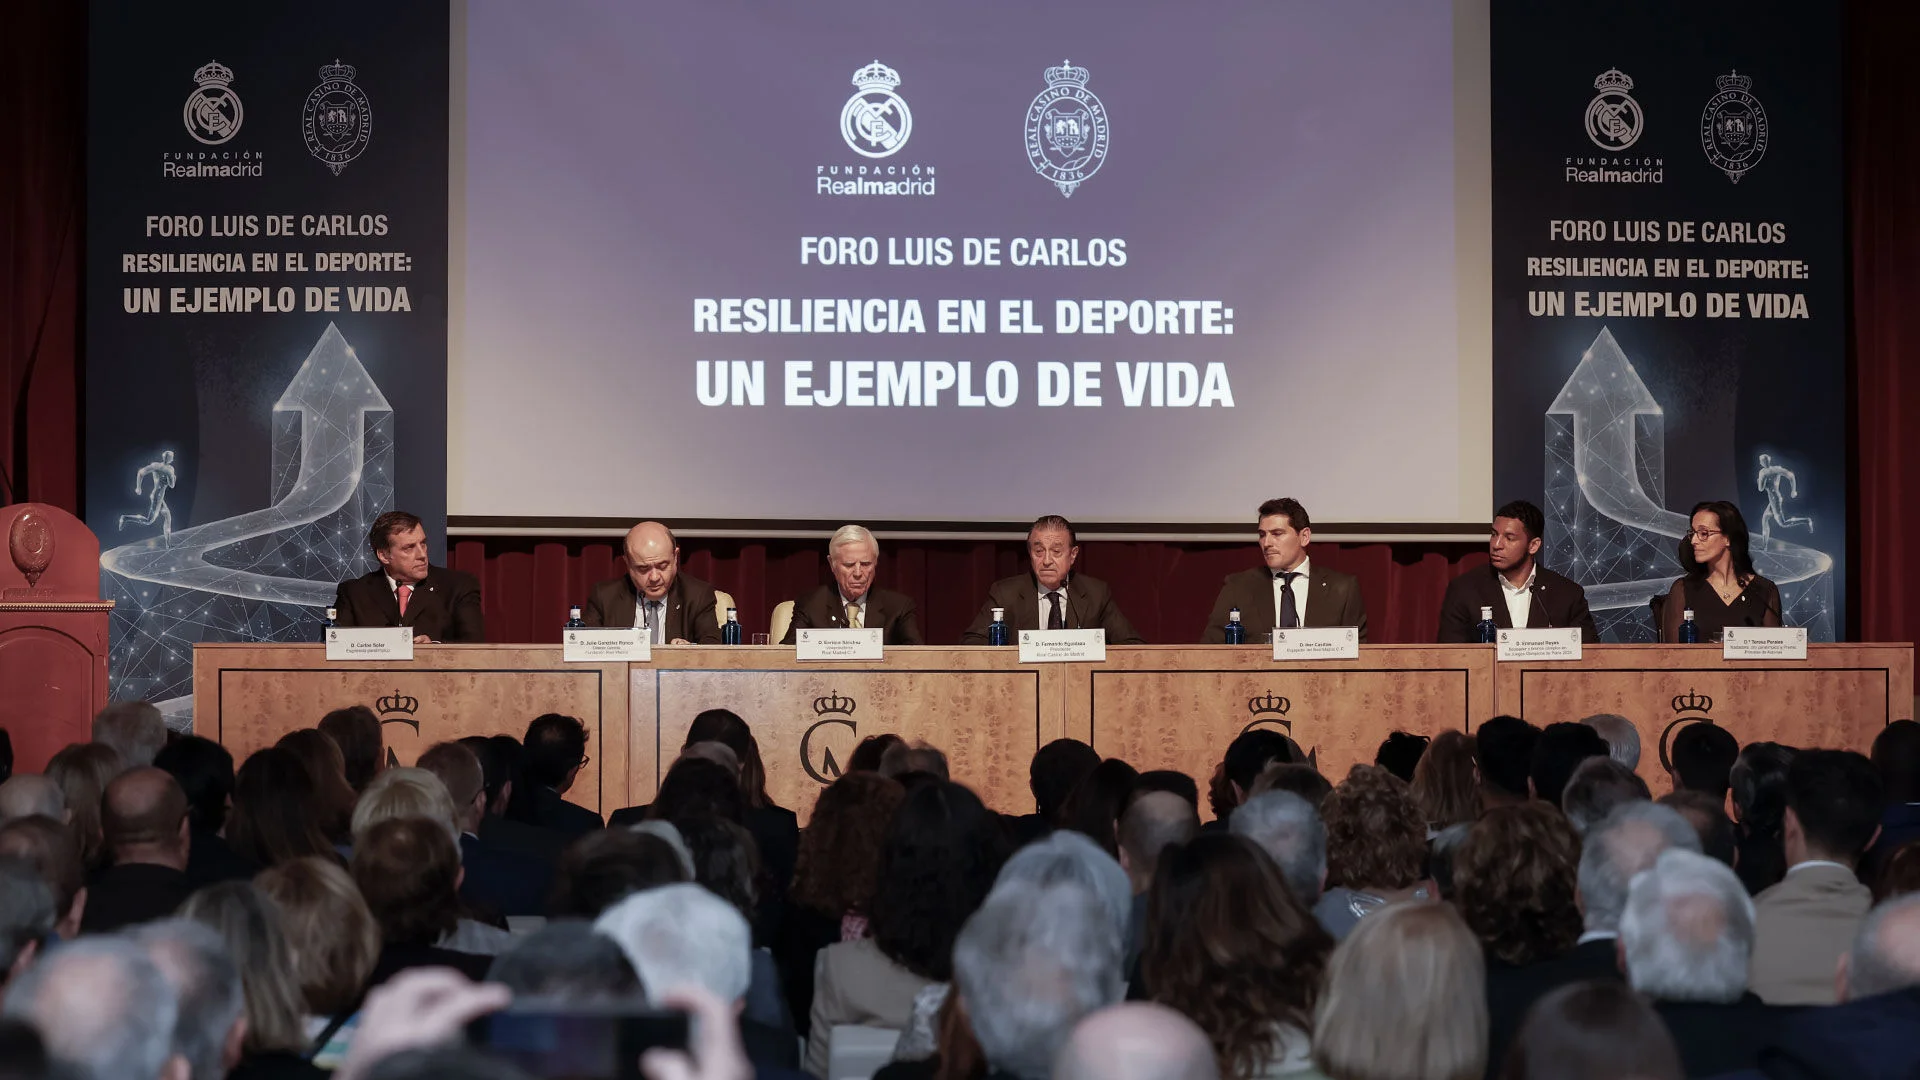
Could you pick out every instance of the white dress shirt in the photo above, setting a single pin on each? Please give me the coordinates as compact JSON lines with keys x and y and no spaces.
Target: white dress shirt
{"x":655,"y":621}
{"x":1299,"y":593}
{"x":1519,"y":600}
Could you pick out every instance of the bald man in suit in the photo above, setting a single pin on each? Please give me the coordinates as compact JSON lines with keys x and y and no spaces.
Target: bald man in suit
{"x":653,"y":594}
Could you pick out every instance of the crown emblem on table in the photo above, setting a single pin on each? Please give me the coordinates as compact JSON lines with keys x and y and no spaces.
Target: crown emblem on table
{"x":1692,"y":701}
{"x":396,"y":703}
{"x":1734,"y":81}
{"x":834,"y":703}
{"x":1271,"y":703}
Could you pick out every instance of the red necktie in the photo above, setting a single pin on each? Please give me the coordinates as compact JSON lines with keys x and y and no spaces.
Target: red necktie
{"x":403,"y":592}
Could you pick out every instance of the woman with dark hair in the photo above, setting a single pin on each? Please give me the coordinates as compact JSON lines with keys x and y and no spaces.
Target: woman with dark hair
{"x":1376,"y":848}
{"x":775,"y":829}
{"x":1514,"y":880}
{"x":1095,"y":806}
{"x":834,"y":878}
{"x":938,"y":862}
{"x":1720,"y":586}
{"x":334,"y":797}
{"x":606,"y":866}
{"x":276,"y":810}
{"x":1229,"y":946}
{"x":1444,"y":785}
{"x":1597,"y":1030}
{"x":1758,"y":784}
{"x":362,"y":742}
{"x":694,"y":788}
{"x":866,"y":756}
{"x":82,"y":772}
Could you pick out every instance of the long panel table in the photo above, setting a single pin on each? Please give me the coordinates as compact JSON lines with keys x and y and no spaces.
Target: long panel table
{"x":1156,"y":706}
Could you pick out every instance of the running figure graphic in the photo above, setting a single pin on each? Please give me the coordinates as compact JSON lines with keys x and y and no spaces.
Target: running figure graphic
{"x":164,"y":478}
{"x":1771,"y":479}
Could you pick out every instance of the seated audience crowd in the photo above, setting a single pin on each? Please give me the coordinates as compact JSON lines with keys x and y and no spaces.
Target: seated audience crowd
{"x":1510,"y":903}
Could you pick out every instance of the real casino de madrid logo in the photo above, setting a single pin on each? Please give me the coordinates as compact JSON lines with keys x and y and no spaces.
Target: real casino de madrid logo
{"x":1066,"y":129}
{"x":337,"y":119}
{"x":875,"y":123}
{"x":1733,"y":127}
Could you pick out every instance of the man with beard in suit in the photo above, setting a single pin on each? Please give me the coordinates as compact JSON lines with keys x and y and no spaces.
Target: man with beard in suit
{"x":1520,"y":591}
{"x":1288,"y":592}
{"x":654,"y":595}
{"x":438,"y":603}
{"x":1052,"y":597}
{"x":852,"y":602}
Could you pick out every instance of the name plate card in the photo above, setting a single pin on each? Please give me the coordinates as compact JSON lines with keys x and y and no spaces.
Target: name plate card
{"x":1063,"y":646}
{"x":1557,"y":643}
{"x":1317,"y":643}
{"x":596,"y":645}
{"x":369,"y":643}
{"x":816,"y":644}
{"x":1764,"y":643}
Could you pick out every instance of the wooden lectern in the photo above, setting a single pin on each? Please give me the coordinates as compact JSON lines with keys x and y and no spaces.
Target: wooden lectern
{"x":53,"y":632}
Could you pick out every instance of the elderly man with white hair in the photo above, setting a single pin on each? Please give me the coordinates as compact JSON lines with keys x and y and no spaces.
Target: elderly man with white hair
{"x":1290,"y":831}
{"x":1136,"y":1040}
{"x":852,"y":602}
{"x":30,"y":795}
{"x":104,"y":1009}
{"x":1686,"y":940}
{"x":1623,"y":739}
{"x":1028,"y":965}
{"x":210,"y":1026}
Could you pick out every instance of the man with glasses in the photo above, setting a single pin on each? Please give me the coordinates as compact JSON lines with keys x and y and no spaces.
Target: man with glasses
{"x":556,"y":752}
{"x":1520,"y":591}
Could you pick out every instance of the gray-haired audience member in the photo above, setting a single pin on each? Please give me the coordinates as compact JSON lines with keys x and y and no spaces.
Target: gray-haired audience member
{"x":1136,"y":1040}
{"x":569,"y":960}
{"x":209,"y":1026}
{"x":1597,"y":786}
{"x":1886,"y":953}
{"x":670,"y":835}
{"x":1028,"y":965}
{"x":134,"y":728}
{"x":680,"y":935}
{"x":1153,"y":822}
{"x":1623,"y":739}
{"x":1069,"y":856}
{"x":104,"y":1009}
{"x":26,"y":916}
{"x":1687,"y":931}
{"x":1616,"y":848}
{"x":1290,"y":831}
{"x":900,"y":759}
{"x":29,"y":795}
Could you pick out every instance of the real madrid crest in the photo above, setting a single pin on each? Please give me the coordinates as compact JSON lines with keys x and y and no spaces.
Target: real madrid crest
{"x":338,"y":119}
{"x":1733,"y":127}
{"x":213,"y":112}
{"x":1614,"y":119}
{"x":876,"y":121}
{"x":1066,"y":129}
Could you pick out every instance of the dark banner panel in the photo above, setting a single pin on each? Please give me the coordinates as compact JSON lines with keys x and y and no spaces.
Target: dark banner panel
{"x":1668,"y":323}
{"x":266,"y":349}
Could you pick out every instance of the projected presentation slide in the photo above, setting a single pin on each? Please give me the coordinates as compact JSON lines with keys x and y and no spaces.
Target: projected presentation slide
{"x":1126,"y":261}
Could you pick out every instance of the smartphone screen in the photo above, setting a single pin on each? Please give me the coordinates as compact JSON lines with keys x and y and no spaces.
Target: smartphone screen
{"x":558,"y":1041}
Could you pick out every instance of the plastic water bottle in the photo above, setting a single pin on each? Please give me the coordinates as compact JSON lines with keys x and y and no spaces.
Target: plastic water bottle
{"x":333,"y":617}
{"x":1489,"y":633}
{"x":730,"y":633}
{"x":1236,"y":634}
{"x":574,"y":621}
{"x":1689,"y":633}
{"x":997,"y":631}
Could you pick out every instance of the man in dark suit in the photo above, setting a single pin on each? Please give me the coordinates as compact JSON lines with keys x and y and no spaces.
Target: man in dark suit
{"x":852,"y":602}
{"x":204,"y":770}
{"x":438,"y":603}
{"x":677,"y":608}
{"x":1520,"y":591}
{"x":1289,"y":591}
{"x":556,"y":752}
{"x":1052,"y":597}
{"x":497,"y":881}
{"x":144,"y":820}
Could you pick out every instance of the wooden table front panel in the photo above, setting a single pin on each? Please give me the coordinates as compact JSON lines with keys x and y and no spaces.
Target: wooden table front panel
{"x":985,"y":710}
{"x":247,"y":696}
{"x":1840,"y":696}
{"x":1177,"y":707}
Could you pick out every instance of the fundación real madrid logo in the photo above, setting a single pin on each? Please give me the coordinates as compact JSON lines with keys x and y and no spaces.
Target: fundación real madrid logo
{"x":1066,"y":129}
{"x":213,"y":112}
{"x":1614,"y":119}
{"x":338,"y":121}
{"x":1733,"y":127}
{"x":876,"y":122}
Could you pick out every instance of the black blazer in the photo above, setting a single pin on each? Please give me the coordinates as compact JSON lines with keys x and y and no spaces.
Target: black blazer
{"x":1333,"y":599}
{"x":1511,"y":990}
{"x":553,"y":812}
{"x":128,"y":894}
{"x":689,"y":610}
{"x":1557,"y":601}
{"x":1715,"y":1039}
{"x":445,"y":605}
{"x":1088,"y":604}
{"x":885,"y":608}
{"x":501,"y":882}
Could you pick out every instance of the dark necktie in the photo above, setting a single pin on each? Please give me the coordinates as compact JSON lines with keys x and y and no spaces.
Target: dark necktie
{"x":1289,"y":612}
{"x":655,"y":627}
{"x":1056,"y":619}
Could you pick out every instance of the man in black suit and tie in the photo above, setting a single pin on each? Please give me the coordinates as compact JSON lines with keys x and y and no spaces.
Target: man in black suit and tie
{"x":1520,"y":591}
{"x":852,"y":602}
{"x":1289,"y":591}
{"x":556,"y":752}
{"x":1052,"y":597}
{"x":654,"y":594}
{"x":438,"y":603}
